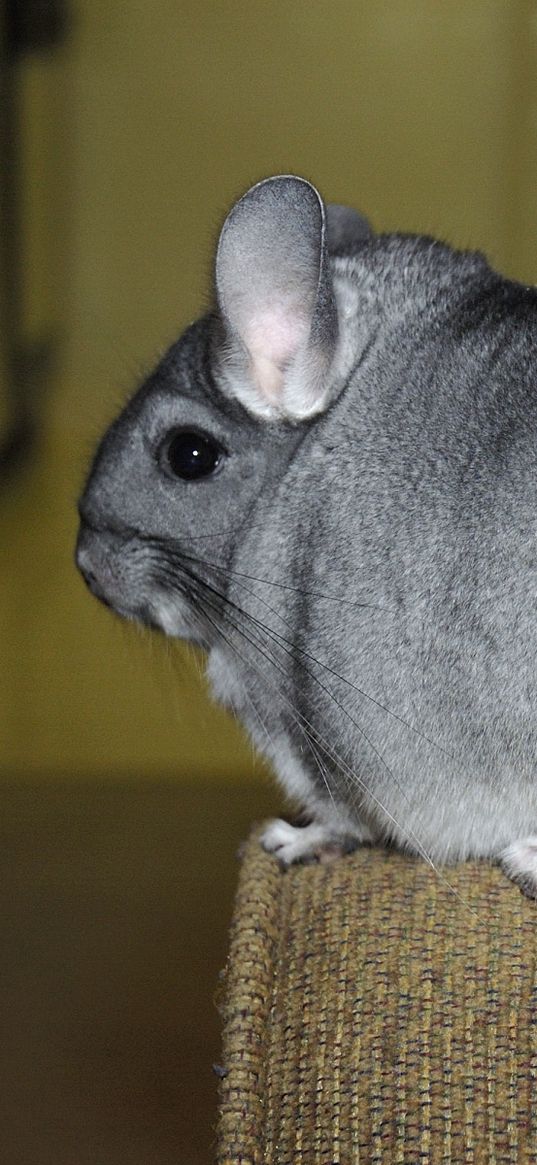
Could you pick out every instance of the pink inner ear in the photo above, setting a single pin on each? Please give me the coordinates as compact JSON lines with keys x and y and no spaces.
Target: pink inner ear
{"x":273,"y":336}
{"x":275,"y":333}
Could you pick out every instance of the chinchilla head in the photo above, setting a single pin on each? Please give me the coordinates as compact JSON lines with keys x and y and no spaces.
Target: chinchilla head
{"x":179,"y":474}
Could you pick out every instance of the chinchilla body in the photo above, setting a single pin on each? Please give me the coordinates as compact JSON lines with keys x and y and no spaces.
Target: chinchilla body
{"x":353,"y":537}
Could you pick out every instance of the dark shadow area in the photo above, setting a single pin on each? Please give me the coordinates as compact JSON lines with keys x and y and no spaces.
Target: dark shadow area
{"x":27,"y":27}
{"x":115,"y":909}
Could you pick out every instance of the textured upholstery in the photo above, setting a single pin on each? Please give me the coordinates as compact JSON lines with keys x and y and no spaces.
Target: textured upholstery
{"x":374,"y":1013}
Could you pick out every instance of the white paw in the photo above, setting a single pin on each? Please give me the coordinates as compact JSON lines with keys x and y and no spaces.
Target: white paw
{"x":292,"y":843}
{"x":519,"y":861}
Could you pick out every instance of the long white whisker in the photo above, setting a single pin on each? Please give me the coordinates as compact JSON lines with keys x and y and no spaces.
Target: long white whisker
{"x":283,"y":644}
{"x":354,"y":778}
{"x":274,"y":663}
{"x":327,"y":667}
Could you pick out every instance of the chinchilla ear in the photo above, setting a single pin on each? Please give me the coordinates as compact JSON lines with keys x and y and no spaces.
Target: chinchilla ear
{"x":346,"y":230}
{"x":275,"y":296}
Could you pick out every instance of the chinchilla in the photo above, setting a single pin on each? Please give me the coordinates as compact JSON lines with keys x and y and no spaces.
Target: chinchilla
{"x":330,"y":483}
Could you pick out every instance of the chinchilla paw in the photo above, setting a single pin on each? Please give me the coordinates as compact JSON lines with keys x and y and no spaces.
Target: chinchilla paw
{"x":292,"y":843}
{"x":519,"y":860}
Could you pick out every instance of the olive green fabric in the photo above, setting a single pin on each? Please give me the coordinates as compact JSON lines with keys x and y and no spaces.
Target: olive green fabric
{"x":376,"y":1011}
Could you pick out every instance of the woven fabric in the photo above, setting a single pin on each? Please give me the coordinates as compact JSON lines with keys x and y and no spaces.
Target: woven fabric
{"x":374,"y":1013}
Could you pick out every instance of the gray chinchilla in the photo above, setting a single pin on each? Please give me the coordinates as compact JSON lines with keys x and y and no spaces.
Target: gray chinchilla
{"x":330,"y":483}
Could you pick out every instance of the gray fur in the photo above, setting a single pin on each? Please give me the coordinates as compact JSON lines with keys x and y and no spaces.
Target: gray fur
{"x":364,"y":579}
{"x":346,"y":230}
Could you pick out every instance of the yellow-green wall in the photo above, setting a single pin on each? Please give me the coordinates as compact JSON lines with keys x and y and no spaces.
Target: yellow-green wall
{"x":138,"y":137}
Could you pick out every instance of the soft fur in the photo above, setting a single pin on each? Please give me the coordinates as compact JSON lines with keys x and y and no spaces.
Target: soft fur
{"x":361,"y":566}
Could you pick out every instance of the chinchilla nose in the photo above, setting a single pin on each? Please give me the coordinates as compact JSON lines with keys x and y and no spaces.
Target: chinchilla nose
{"x":94,"y":557}
{"x":86,"y":565}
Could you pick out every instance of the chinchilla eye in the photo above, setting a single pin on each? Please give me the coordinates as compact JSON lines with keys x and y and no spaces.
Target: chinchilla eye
{"x":190,"y":454}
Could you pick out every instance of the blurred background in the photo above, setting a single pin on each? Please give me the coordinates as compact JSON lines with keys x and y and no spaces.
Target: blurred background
{"x":126,"y":131}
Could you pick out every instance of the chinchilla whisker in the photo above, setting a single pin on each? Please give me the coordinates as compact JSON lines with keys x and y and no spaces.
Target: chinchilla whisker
{"x":310,"y":731}
{"x":305,"y":727}
{"x":354,"y":779}
{"x":332,"y":671}
{"x":253,"y":707}
{"x":289,"y":649}
{"x":360,"y":691}
{"x":201,"y":589}
{"x":226,"y":639}
{"x":270,"y":582}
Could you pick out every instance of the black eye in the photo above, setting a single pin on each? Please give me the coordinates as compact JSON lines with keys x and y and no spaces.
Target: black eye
{"x":191,"y":454}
